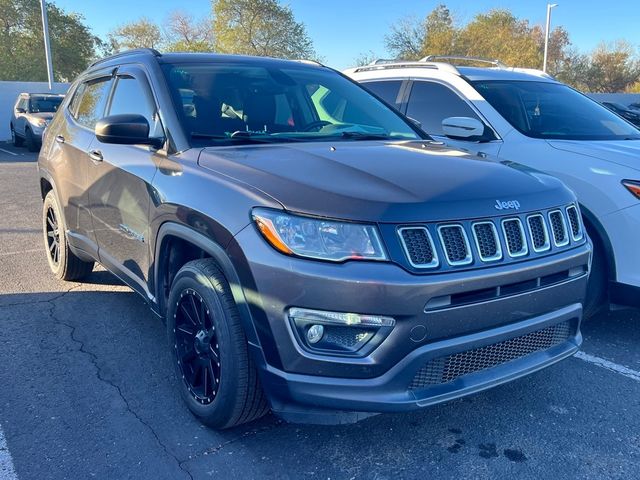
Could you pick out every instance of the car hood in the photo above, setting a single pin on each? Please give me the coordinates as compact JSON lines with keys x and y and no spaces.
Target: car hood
{"x":45,"y":115}
{"x":384,"y":181}
{"x":621,"y":152}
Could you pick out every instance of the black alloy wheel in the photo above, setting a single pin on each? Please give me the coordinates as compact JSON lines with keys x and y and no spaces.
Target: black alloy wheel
{"x":197,"y":349}
{"x":52,"y":230}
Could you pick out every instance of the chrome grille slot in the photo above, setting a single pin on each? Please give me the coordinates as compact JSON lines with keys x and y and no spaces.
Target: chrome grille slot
{"x":455,"y":244}
{"x":418,"y":246}
{"x":514,"y":237}
{"x":450,"y":368}
{"x":538,"y":233}
{"x":487,"y":241}
{"x":558,"y":228}
{"x":574,"y":223}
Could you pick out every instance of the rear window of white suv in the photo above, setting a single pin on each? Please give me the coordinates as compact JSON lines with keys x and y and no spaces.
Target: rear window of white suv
{"x":554,"y":111}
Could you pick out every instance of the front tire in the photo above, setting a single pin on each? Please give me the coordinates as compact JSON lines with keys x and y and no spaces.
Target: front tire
{"x":596,"y":299}
{"x":217,"y":378}
{"x":64,"y":264}
{"x":32,"y":143}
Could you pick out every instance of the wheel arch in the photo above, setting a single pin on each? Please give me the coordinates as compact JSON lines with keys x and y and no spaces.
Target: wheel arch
{"x":593,"y":225}
{"x":171,"y":231}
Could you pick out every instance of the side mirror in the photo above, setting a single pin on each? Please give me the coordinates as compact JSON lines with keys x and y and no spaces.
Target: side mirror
{"x":415,"y":122}
{"x":20,"y":110}
{"x":125,"y":129}
{"x":463,"y":127}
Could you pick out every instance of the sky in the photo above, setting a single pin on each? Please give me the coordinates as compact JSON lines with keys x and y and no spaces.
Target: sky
{"x":343,"y":29}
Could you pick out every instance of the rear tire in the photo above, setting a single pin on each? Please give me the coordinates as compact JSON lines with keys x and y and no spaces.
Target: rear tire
{"x":217,"y":378}
{"x":32,"y":143}
{"x":16,"y":140}
{"x":596,"y":299}
{"x":64,"y":264}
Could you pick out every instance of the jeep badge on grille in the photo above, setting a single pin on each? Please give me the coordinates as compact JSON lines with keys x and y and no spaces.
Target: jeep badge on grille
{"x":509,"y":205}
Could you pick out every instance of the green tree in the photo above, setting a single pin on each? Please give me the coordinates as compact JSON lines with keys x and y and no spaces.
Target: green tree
{"x":22,"y":56}
{"x":612,"y":67}
{"x":142,"y":33}
{"x":260,"y":27}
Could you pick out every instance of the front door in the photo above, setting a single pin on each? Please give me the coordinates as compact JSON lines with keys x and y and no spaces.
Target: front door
{"x":120,"y":185}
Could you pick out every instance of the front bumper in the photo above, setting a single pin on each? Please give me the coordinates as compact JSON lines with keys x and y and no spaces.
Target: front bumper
{"x":305,"y":386}
{"x":621,"y":226}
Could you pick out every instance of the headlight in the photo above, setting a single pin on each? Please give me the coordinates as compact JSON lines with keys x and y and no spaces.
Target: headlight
{"x":38,"y":122}
{"x":633,"y":186}
{"x":319,"y":238}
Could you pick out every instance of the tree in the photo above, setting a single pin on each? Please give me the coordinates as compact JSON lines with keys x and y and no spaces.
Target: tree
{"x":22,"y":56}
{"x":612,"y":68}
{"x":259,"y":27}
{"x":406,"y":39}
{"x":183,"y":33}
{"x":142,"y":33}
{"x":440,"y":33}
{"x":365,"y":58}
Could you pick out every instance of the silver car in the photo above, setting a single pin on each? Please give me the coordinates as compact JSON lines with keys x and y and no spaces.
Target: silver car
{"x":32,"y":112}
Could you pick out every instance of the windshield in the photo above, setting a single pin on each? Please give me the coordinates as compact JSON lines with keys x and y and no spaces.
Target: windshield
{"x":554,"y":111}
{"x":228,"y":103}
{"x":44,"y":104}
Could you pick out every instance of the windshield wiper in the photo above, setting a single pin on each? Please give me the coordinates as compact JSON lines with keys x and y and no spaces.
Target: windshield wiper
{"x":365,"y":136}
{"x":241,"y":137}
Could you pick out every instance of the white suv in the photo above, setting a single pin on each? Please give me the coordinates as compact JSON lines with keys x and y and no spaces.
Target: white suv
{"x":525,"y":116}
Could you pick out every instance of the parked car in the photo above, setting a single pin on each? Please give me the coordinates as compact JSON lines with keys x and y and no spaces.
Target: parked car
{"x":32,"y":112}
{"x":524,"y":116}
{"x":624,"y":112}
{"x":310,"y":250}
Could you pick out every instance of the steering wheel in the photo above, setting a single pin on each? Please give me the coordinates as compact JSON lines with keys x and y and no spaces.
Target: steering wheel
{"x":318,"y":124}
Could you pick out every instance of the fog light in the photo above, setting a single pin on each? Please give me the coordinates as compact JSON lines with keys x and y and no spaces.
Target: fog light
{"x":340,"y":318}
{"x":314,"y":334}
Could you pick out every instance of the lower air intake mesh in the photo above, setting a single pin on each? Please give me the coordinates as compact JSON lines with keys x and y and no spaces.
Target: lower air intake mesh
{"x":448,"y":369}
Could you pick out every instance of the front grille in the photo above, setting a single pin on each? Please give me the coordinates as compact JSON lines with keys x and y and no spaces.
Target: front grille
{"x":574,"y":222}
{"x":538,"y":233}
{"x":449,"y":368}
{"x":558,"y":228}
{"x":455,"y":244}
{"x":487,"y":242}
{"x":419,"y":247}
{"x":514,"y":235}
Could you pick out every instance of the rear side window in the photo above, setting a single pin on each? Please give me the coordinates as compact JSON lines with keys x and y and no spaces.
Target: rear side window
{"x":386,"y":89}
{"x":92,"y":102}
{"x":430,"y":103}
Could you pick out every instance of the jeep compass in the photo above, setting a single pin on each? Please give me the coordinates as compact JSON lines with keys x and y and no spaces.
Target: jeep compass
{"x":312,"y":251}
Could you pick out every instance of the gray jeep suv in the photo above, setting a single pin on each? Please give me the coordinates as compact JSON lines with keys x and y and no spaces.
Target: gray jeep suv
{"x":311,"y":251}
{"x":32,"y":112}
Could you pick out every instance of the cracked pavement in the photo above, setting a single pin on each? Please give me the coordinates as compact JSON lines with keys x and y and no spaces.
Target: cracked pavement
{"x":87,"y":391}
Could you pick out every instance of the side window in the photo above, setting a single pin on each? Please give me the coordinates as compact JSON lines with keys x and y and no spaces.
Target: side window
{"x":23,"y":103}
{"x":92,"y":102}
{"x":75,"y":100}
{"x":131,"y":97}
{"x":430,"y":103}
{"x":386,"y":89}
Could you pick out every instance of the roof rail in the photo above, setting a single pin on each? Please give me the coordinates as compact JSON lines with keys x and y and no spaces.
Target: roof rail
{"x":135,"y":51}
{"x":380,"y":61}
{"x":408,"y":64}
{"x":438,"y":58}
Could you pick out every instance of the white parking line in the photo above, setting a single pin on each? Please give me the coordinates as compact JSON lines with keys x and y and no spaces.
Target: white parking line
{"x":614,"y":367}
{"x":7,"y":470}
{"x":9,"y":152}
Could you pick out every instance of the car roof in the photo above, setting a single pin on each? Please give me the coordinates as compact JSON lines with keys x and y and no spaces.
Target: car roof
{"x":475,"y":74}
{"x":147,"y":54}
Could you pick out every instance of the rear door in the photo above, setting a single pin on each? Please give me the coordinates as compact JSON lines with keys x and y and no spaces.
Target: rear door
{"x":120,"y":179}
{"x":68,"y":156}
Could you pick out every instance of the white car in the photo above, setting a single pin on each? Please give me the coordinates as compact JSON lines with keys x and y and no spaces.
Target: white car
{"x":525,"y":116}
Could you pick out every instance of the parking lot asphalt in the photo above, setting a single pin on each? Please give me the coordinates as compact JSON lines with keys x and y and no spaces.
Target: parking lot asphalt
{"x":87,"y":391}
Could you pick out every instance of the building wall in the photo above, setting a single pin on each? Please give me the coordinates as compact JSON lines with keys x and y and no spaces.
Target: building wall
{"x":8,"y":94}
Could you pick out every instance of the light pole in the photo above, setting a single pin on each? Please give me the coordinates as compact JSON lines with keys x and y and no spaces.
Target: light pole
{"x":546,"y":35}
{"x":47,"y":44}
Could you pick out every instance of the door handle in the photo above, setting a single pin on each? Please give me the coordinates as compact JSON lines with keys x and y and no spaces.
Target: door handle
{"x":95,"y":155}
{"x":59,"y":139}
